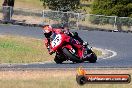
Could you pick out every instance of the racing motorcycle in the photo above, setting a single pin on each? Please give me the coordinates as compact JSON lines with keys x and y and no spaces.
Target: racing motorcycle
{"x":67,"y":48}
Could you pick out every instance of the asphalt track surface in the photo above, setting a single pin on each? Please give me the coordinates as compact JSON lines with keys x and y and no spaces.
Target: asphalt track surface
{"x":116,"y":41}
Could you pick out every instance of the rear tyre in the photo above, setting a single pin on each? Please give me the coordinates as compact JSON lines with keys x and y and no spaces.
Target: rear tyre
{"x":93,"y":58}
{"x":71,"y":56}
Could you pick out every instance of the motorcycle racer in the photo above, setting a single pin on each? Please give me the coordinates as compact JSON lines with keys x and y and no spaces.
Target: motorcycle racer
{"x":49,"y":32}
{"x":62,"y":42}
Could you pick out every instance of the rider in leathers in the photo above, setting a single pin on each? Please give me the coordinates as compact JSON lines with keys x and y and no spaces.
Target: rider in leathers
{"x":48,"y":31}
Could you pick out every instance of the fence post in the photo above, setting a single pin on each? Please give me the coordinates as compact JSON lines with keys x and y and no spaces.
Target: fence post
{"x":43,"y":17}
{"x":7,"y":13}
{"x":10,"y":13}
{"x":78,"y":18}
{"x":115,"y":23}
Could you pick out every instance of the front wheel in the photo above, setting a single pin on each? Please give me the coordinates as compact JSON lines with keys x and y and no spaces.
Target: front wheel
{"x":71,"y":56}
{"x":58,"y":59}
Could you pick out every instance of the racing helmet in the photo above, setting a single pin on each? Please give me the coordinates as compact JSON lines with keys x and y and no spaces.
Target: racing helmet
{"x":47,"y":31}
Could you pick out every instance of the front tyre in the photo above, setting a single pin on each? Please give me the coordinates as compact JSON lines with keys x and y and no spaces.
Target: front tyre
{"x":58,"y":60}
{"x":71,"y":56}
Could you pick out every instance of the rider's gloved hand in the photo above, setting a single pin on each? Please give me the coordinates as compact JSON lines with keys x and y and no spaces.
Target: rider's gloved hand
{"x":51,"y":52}
{"x":48,"y":48}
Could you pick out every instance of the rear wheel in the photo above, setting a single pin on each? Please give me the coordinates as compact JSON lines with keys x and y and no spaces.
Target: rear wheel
{"x":71,"y":56}
{"x":93,"y":58}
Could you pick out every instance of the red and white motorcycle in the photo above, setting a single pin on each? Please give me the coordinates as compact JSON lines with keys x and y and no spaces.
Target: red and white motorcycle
{"x":67,"y":48}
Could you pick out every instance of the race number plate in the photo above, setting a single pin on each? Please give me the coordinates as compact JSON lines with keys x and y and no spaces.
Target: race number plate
{"x":56,"y":41}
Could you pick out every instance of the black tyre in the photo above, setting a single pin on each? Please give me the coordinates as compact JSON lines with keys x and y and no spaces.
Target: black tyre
{"x":58,"y":60}
{"x":71,"y":56}
{"x":93,"y":58}
{"x":81,"y":80}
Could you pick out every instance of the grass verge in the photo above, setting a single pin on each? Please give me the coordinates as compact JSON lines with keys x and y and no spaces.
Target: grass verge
{"x":17,"y":49}
{"x":54,"y":79}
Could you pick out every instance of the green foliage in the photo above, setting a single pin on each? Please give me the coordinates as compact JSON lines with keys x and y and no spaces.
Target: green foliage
{"x":121,"y":8}
{"x":67,"y":5}
{"x":13,"y":46}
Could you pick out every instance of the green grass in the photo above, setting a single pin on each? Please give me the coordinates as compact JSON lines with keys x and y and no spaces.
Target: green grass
{"x":16,"y":49}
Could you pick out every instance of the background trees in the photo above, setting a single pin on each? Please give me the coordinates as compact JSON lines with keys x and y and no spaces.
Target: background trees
{"x":63,"y":5}
{"x":121,"y":8}
{"x":113,"y":8}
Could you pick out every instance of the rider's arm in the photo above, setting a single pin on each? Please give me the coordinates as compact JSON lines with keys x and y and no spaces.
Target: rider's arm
{"x":75,"y":35}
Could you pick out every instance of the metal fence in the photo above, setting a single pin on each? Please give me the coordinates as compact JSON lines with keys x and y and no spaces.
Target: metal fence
{"x":74,"y":20}
{"x":106,"y":22}
{"x":58,"y":17}
{"x":87,"y":21}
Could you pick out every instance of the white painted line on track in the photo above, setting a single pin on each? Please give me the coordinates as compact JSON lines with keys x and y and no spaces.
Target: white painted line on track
{"x":113,"y":54}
